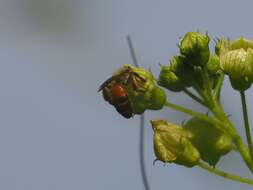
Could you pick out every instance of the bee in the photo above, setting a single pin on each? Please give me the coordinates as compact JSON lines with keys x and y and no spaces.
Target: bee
{"x":114,"y":92}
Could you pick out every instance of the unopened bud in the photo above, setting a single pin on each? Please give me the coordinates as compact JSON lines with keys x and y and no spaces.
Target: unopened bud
{"x":238,"y":65}
{"x":210,"y":141}
{"x":222,"y":46}
{"x":178,"y":75}
{"x":171,"y":144}
{"x":195,"y":47}
{"x":213,"y":64}
{"x":170,"y":80}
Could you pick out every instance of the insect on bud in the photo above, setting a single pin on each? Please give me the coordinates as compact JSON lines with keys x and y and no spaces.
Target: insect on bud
{"x":132,"y":90}
{"x":195,"y":47}
{"x":172,"y":145}
{"x":211,"y":142}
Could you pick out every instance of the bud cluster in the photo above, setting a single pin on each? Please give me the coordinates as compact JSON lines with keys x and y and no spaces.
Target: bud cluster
{"x":183,"y":70}
{"x":133,"y":90}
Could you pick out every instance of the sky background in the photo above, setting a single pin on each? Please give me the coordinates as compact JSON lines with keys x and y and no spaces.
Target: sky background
{"x":56,"y":132}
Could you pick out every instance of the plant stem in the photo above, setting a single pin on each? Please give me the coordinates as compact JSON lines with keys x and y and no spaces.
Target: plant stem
{"x":212,"y":100}
{"x":217,"y":89}
{"x":142,"y":126}
{"x":218,"y":111}
{"x":225,"y":174}
{"x":246,"y":123}
{"x":132,"y":52}
{"x":142,"y":153}
{"x":194,"y":114}
{"x":194,"y":97}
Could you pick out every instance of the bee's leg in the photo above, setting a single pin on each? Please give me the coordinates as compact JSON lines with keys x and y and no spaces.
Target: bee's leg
{"x":133,"y":83}
{"x":139,"y":77}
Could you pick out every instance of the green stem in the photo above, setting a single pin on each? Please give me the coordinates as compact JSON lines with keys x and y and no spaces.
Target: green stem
{"x":194,"y":97}
{"x":219,"y":113}
{"x":142,"y":153}
{"x":225,"y":174}
{"x":194,"y":114}
{"x":217,"y":89}
{"x":246,"y":123}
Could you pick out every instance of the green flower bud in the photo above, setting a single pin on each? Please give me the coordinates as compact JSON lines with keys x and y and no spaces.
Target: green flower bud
{"x":222,"y":46}
{"x":211,"y":142}
{"x":213,"y":65}
{"x":170,"y":80}
{"x":195,"y":47}
{"x":238,"y":65}
{"x":172,"y":145}
{"x":213,"y":68}
{"x":156,"y":99}
{"x":184,"y":71}
{"x":178,"y":75}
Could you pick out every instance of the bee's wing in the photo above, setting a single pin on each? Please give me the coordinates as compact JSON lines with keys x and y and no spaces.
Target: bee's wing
{"x":108,"y":81}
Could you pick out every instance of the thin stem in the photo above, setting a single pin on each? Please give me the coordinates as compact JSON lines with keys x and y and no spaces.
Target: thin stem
{"x":225,"y":174}
{"x":207,"y":84}
{"x":142,"y":153}
{"x":132,"y":52}
{"x":246,"y":123}
{"x":142,"y":126}
{"x":217,"y":89}
{"x":194,"y":97}
{"x":195,"y":114}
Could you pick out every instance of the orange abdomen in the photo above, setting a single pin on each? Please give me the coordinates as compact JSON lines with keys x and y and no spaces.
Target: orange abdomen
{"x":118,"y":91}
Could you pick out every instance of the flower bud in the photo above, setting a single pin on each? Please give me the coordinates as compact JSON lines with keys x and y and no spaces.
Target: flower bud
{"x":213,"y":68}
{"x":195,"y":47}
{"x":170,"y":80}
{"x":156,"y":99}
{"x":178,"y":75}
{"x":238,"y":65}
{"x":222,"y":46}
{"x":213,"y":65}
{"x":172,"y":145}
{"x":211,"y":142}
